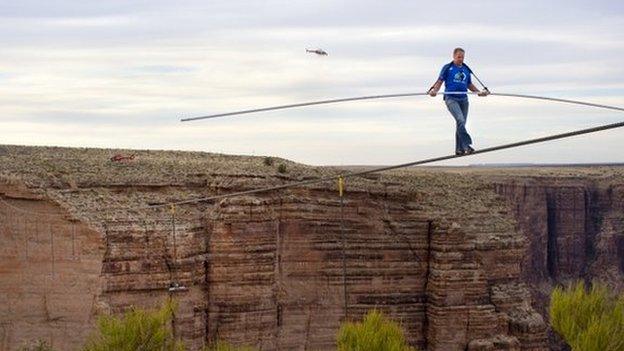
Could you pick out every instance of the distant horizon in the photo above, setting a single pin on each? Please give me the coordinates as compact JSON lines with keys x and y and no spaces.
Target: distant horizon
{"x":474,"y":165}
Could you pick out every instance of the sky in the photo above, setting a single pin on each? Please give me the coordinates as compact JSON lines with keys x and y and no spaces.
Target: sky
{"x":120,"y":74}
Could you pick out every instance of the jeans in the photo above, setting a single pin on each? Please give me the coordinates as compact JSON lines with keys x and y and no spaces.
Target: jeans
{"x":459,"y":110}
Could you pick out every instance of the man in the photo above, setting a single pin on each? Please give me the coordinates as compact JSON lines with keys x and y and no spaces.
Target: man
{"x":456,"y":78}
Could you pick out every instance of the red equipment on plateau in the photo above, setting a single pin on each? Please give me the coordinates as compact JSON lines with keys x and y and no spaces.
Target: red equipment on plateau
{"x":122,"y":158}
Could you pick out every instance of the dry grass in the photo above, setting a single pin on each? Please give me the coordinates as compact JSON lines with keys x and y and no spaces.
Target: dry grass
{"x":374,"y":333}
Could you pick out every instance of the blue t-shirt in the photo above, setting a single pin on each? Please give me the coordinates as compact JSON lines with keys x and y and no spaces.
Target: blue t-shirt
{"x":455,"y":78}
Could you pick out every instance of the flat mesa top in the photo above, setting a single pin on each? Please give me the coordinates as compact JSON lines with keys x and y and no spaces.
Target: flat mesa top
{"x":85,"y":167}
{"x":92,"y":186}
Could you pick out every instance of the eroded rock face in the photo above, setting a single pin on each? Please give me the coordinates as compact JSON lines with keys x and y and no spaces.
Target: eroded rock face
{"x":288,"y":289}
{"x":443,"y":253}
{"x":50,"y":266}
{"x":269,"y":272}
{"x":575,"y":228}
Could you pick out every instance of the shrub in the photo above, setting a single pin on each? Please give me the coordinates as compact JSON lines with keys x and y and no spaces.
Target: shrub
{"x":136,"y":330}
{"x":374,"y":333}
{"x":281,"y":168}
{"x":268,"y":161}
{"x":588,"y":320}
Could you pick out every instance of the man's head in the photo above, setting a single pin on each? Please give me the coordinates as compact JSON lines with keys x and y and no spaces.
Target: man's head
{"x":458,"y":56}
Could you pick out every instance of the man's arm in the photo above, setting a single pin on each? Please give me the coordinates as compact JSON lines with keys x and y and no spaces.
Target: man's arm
{"x":474,"y":89}
{"x":435,"y":87}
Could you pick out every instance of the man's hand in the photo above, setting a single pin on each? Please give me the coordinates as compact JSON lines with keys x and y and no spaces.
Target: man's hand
{"x":433,"y":91}
{"x":484,"y":93}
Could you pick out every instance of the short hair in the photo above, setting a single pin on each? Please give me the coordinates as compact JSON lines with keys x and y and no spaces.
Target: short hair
{"x":457,"y":50}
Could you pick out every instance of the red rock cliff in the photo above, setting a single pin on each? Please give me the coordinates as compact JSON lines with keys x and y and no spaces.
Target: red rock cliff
{"x":575,"y":229}
{"x":441,"y":252}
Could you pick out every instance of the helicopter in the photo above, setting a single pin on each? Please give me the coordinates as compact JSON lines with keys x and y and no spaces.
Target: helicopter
{"x":320,"y":52}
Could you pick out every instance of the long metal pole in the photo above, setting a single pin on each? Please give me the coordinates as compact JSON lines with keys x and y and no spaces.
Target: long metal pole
{"x":567,"y":101}
{"x":373,"y":97}
{"x":302,"y":104}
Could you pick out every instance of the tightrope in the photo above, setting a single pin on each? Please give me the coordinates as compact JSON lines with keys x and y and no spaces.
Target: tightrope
{"x":388,"y":168}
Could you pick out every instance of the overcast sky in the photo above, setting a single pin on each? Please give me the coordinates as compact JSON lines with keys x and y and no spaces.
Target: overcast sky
{"x":120,"y":74}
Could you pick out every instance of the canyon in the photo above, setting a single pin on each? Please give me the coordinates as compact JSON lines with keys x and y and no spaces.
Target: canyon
{"x":464,"y":258}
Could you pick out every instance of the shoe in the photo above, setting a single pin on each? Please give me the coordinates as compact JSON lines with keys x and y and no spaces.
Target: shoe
{"x":460,"y":153}
{"x":469,"y":151}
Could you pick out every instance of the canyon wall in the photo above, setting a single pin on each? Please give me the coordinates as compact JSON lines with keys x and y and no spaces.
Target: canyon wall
{"x":463,"y":260}
{"x":50,"y":266}
{"x":575,"y":229}
{"x":280,"y":272}
{"x":284,"y":272}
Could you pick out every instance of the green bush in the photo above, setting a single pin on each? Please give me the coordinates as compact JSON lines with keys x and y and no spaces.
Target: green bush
{"x":282,"y":168}
{"x":225,"y":346}
{"x":588,"y":320}
{"x":374,"y":333}
{"x":268,"y":161}
{"x":136,"y":330}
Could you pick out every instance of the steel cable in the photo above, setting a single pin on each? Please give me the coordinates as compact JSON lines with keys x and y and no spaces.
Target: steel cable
{"x":403,"y":165}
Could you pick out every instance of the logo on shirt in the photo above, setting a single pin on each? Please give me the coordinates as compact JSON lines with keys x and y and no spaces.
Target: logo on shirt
{"x":459,"y":77}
